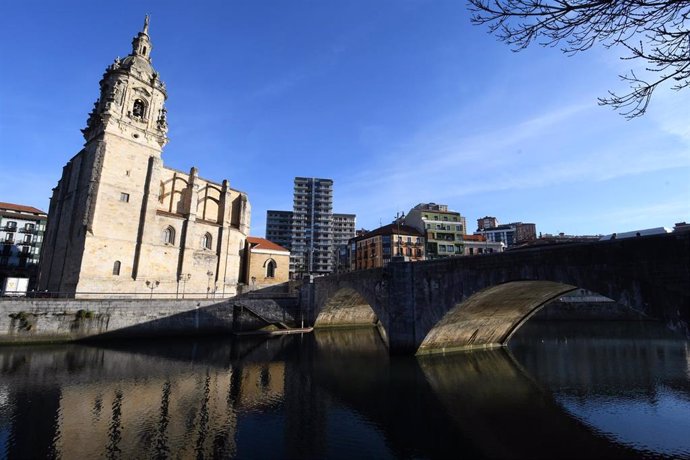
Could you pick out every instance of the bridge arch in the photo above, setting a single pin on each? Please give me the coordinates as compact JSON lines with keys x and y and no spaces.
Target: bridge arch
{"x":346,"y":307}
{"x":352,"y":299}
{"x":491,"y":316}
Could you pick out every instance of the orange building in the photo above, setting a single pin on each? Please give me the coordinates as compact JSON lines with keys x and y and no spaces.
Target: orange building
{"x":377,"y":247}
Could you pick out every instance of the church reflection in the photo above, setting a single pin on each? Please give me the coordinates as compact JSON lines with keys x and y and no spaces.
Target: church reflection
{"x":298,"y":396}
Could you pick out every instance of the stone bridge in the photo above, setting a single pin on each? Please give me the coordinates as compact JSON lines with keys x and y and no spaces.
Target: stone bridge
{"x":480,"y":301}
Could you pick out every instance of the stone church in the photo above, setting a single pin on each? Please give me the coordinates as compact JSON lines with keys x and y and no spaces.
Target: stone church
{"x":122,"y":223}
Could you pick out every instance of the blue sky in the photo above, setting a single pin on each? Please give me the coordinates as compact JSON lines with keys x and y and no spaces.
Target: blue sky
{"x":399,"y":102}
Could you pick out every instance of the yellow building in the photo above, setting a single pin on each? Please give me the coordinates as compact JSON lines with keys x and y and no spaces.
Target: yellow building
{"x":120,"y":223}
{"x":268,"y":264}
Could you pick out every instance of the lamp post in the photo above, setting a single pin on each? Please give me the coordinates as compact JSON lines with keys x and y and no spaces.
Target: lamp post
{"x":152,"y":285}
{"x":208,"y":286}
{"x":184,"y":277}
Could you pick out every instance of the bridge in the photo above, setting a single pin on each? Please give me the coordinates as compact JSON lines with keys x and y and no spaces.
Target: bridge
{"x":480,"y":301}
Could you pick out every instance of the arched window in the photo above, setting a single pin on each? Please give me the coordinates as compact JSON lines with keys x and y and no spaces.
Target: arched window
{"x":116,"y":268}
{"x":139,"y":109}
{"x":169,"y":235}
{"x":206,"y":241}
{"x":271,"y":269}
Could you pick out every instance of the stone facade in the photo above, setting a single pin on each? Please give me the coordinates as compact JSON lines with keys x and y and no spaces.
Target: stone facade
{"x":122,"y":223}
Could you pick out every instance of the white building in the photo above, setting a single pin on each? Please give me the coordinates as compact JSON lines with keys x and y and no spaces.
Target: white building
{"x":21,"y":236}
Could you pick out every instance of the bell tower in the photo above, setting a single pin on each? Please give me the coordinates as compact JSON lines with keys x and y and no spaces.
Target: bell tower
{"x":131,"y":102}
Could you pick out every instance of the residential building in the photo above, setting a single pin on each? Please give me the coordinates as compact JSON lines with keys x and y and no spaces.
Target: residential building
{"x":21,"y":237}
{"x":268,"y":263}
{"x":316,"y":235}
{"x":343,"y":231}
{"x":512,"y":234}
{"x":120,"y":223}
{"x":477,"y":244}
{"x":376,"y":248}
{"x":279,"y":227}
{"x":444,"y":230}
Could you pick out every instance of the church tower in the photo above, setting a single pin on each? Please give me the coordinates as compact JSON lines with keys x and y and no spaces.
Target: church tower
{"x":120,"y":223}
{"x":131,"y":105}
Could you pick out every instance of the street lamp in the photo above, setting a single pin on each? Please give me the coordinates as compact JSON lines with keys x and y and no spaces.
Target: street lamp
{"x":208,"y":286}
{"x":184,"y":277}
{"x":152,"y":285}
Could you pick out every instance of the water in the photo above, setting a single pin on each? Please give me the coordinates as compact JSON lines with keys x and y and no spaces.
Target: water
{"x":561,"y":390}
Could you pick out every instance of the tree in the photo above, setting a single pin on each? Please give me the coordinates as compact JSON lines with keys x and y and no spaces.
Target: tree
{"x":655,"y":31}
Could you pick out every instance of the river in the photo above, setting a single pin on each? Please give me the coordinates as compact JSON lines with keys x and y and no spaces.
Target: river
{"x":560,"y":390}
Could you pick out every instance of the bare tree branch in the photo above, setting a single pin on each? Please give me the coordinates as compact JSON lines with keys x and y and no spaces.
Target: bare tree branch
{"x":653,"y":31}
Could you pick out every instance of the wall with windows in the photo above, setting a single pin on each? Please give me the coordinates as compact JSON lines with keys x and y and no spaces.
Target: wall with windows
{"x":444,"y":230}
{"x":21,"y":237}
{"x":269,"y":263}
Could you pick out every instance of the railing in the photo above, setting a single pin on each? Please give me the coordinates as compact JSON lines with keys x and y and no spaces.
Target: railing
{"x":148,"y":295}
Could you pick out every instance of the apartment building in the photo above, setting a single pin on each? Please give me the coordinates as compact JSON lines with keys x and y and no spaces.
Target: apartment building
{"x":315,"y":232}
{"x":444,"y":230}
{"x":377,"y":248}
{"x":21,"y":237}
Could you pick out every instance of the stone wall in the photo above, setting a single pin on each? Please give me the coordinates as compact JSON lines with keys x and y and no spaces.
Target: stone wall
{"x":42,"y":320}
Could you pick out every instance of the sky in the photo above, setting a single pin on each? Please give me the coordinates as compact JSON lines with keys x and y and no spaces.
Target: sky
{"x":399,"y":102}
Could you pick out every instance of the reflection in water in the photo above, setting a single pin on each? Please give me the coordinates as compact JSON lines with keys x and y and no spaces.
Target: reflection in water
{"x":627,"y":380}
{"x":338,"y":394}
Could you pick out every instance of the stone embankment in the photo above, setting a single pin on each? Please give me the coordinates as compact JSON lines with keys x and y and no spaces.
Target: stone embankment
{"x":24,"y":320}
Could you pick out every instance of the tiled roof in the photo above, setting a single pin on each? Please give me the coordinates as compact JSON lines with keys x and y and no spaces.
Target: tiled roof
{"x":19,"y":208}
{"x":390,"y":229}
{"x":262,"y":243}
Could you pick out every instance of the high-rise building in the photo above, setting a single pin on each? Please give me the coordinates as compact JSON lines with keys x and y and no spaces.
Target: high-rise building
{"x":444,"y":229}
{"x":343,"y":231}
{"x":122,"y":223}
{"x":279,"y":228}
{"x":314,"y":231}
{"x":21,"y":236}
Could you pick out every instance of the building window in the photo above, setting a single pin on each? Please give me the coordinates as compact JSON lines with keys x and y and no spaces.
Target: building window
{"x":124,"y":197}
{"x":9,"y":237}
{"x":271,"y":269}
{"x":169,"y":235}
{"x":29,"y":227}
{"x":116,"y":268}
{"x":25,"y":249}
{"x":206,"y":241}
{"x":408,"y":251}
{"x":11,"y":225}
{"x":27,"y":238}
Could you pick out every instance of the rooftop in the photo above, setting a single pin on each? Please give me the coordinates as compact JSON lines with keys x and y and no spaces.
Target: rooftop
{"x":262,"y":243}
{"x":390,"y":229}
{"x":20,"y":208}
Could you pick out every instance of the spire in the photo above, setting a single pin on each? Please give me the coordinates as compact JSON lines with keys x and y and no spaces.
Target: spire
{"x":141,"y":45}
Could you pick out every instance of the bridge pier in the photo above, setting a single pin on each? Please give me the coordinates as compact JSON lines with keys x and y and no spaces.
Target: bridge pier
{"x":401,"y":324}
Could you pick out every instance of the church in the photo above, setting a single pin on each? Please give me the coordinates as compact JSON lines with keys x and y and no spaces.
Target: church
{"x":120,"y":223}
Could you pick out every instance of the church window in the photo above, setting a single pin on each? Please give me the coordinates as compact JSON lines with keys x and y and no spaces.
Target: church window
{"x":124,"y":197}
{"x":271,"y":269}
{"x":116,"y":268}
{"x":206,"y":241}
{"x":143,"y":51}
{"x":169,"y":235}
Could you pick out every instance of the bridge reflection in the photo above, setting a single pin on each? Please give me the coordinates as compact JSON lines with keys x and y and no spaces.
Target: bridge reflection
{"x":294,"y":396}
